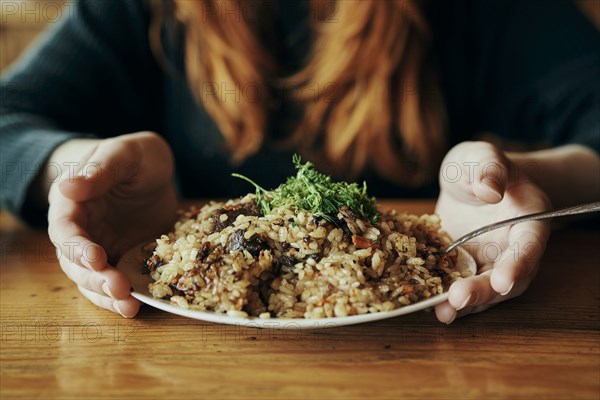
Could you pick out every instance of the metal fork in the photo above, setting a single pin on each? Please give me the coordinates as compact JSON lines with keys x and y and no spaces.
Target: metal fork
{"x":580,"y":209}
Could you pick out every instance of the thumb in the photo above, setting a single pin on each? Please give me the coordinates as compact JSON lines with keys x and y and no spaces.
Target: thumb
{"x":114,"y":161}
{"x":475,"y":172}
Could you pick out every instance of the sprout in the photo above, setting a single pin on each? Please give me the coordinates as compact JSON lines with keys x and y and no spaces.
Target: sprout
{"x":317,"y":193}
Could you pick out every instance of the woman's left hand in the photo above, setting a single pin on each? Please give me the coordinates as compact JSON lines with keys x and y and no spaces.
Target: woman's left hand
{"x":478,"y":186}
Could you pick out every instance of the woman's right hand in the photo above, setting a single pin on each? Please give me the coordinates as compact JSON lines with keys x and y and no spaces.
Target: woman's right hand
{"x":119,"y":193}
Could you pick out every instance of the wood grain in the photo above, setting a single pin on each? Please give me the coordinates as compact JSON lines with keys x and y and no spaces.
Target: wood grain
{"x":55,"y":344}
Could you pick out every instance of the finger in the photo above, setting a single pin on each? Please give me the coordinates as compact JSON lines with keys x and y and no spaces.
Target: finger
{"x":65,"y":229}
{"x":468,"y":299}
{"x":475,"y":172}
{"x":491,"y":177}
{"x":476,"y":293}
{"x":517,"y":266}
{"x":445,"y":312}
{"x":508,"y":278}
{"x":471,"y":291}
{"x":123,"y":159}
{"x":109,"y":282}
{"x":128,"y":308}
{"x":113,"y":161}
{"x":66,"y":221}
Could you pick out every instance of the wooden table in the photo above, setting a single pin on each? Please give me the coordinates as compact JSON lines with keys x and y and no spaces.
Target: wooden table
{"x":56,"y":344}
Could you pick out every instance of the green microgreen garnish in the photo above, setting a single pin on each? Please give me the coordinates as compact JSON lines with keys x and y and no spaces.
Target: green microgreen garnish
{"x":317,"y":193}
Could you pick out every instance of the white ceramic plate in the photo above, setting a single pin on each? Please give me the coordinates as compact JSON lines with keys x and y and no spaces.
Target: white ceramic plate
{"x":132,"y":261}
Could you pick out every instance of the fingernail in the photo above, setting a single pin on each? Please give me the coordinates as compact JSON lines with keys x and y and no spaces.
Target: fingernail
{"x":89,"y":173}
{"x":451,"y":319}
{"x":508,"y":290}
{"x":116,"y":305}
{"x":86,"y":263}
{"x":492,"y":187}
{"x":465,"y":303}
{"x":106,"y":289}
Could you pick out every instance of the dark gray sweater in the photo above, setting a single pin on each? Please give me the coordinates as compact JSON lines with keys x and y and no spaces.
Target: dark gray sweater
{"x":527,"y":71}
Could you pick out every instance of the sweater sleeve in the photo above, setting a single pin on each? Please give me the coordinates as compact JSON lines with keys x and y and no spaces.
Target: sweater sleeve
{"x":536,"y":72}
{"x":93,"y":74}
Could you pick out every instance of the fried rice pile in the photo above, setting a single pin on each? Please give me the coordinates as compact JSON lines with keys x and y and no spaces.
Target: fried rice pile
{"x":228,"y":258}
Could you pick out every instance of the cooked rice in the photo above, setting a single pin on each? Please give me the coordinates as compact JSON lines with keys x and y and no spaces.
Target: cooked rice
{"x":227,"y":258}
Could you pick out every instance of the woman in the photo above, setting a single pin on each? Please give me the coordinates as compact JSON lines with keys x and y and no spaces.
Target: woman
{"x":368,"y":90}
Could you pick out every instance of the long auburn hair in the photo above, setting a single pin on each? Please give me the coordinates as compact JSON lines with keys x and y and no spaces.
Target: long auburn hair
{"x":368,"y":92}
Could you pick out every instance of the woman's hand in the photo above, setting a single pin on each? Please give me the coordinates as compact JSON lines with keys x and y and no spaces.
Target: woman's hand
{"x":480,"y":185}
{"x":116,"y":193}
